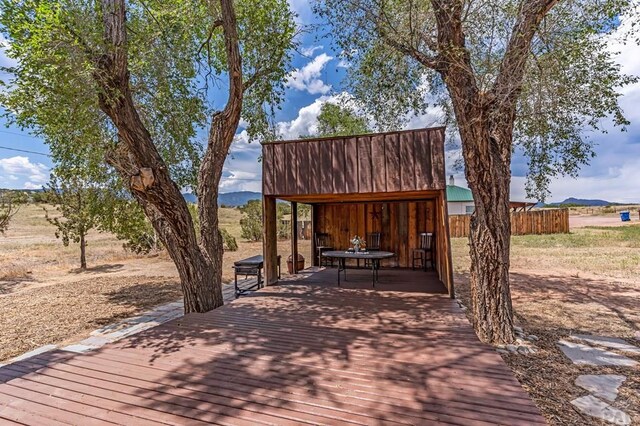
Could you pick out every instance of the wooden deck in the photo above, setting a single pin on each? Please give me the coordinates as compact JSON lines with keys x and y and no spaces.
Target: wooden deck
{"x":306,"y":352}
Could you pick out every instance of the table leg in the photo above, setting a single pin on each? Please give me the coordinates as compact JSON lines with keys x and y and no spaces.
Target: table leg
{"x":344,"y":268}
{"x":373,"y":272}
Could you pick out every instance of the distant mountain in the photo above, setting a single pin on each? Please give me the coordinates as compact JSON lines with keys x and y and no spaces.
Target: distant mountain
{"x":584,"y":202}
{"x":239,"y":198}
{"x":190,"y":198}
{"x":233,"y":199}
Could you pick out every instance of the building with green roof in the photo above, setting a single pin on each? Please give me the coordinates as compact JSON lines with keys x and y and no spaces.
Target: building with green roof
{"x":459,"y":199}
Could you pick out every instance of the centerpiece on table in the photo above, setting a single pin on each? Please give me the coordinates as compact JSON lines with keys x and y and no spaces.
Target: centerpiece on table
{"x":358,"y":243}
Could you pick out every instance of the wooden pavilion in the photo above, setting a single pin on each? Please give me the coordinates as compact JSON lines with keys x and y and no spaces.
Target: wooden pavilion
{"x":392,"y":183}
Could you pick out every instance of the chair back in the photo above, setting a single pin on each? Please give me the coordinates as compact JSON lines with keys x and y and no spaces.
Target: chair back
{"x":425,"y":240}
{"x":322,"y":239}
{"x":373,"y":240}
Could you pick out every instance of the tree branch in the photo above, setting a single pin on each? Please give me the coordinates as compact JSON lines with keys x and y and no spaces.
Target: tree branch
{"x":510,"y":76}
{"x":217,"y":23}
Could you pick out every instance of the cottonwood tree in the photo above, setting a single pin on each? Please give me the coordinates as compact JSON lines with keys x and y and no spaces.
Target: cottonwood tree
{"x":78,"y":204}
{"x":340,"y":120}
{"x":8,"y":209}
{"x":531,"y":75}
{"x":151,"y":74}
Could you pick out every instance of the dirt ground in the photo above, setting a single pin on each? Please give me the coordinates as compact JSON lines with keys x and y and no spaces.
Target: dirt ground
{"x":586,"y":282}
{"x":46,"y":299}
{"x":583,"y":221}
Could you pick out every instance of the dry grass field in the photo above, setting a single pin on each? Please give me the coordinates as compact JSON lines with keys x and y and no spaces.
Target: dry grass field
{"x":45,"y":298}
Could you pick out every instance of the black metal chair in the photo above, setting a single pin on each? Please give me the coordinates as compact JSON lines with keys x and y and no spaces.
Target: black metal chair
{"x":373,"y":244}
{"x":323,"y":243}
{"x":424,"y":251}
{"x":373,"y":241}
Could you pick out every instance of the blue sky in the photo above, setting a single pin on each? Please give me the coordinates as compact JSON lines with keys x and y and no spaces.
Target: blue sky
{"x":613,"y":175}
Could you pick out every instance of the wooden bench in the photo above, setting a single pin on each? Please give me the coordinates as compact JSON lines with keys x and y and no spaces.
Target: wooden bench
{"x":251,"y":266}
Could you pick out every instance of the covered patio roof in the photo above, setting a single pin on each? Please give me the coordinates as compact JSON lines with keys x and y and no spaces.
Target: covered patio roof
{"x":396,"y":177}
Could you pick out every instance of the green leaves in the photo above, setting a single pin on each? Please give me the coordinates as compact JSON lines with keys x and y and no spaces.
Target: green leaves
{"x":571,"y":83}
{"x":177,"y":69}
{"x":337,"y":120}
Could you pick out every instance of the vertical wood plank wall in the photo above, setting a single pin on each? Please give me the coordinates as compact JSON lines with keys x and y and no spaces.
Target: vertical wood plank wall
{"x":411,"y":160}
{"x":399,"y":222}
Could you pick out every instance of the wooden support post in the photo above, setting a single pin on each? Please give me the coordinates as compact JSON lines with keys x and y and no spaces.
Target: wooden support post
{"x":270,"y":240}
{"x":447,"y":261}
{"x":314,"y":261}
{"x":294,"y":236}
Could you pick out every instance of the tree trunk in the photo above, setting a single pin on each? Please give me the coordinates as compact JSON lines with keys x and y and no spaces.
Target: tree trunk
{"x":489,"y":240}
{"x":487,"y":168}
{"x":83,"y":249}
{"x":138,"y":162}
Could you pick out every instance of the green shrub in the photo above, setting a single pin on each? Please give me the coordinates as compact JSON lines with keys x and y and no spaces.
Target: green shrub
{"x":251,"y":222}
{"x":230,"y":243}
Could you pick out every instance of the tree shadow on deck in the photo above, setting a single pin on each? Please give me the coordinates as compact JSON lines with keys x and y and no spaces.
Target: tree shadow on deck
{"x":291,"y":354}
{"x":318,"y":354}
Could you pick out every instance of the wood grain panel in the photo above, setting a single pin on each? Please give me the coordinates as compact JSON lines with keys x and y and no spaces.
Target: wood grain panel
{"x":302,"y":168}
{"x":351,"y":165}
{"x":279,"y":176}
{"x":267,"y":170}
{"x":378,"y":164}
{"x":397,"y":221}
{"x":407,"y":163}
{"x":338,"y":172}
{"x":436,"y":145}
{"x":402,"y":224}
{"x":290,"y":169}
{"x":423,"y":172}
{"x":315,"y":169}
{"x":326,"y":166}
{"x":392,"y":159}
{"x":365,"y":178}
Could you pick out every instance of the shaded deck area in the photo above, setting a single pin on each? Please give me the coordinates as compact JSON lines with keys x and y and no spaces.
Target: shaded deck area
{"x":303,"y":352}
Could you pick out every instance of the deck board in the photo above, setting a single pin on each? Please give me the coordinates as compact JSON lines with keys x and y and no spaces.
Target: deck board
{"x":303,"y":352}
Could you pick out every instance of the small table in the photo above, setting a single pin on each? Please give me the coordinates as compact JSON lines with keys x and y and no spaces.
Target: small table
{"x":250,"y":266}
{"x":374,"y":256}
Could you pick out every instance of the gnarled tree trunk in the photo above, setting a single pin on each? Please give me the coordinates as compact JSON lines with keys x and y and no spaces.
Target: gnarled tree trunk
{"x":489,"y":176}
{"x":486,"y":119}
{"x":138,"y":162}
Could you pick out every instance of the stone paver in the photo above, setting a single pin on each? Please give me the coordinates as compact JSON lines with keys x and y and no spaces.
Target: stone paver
{"x":601,"y":385}
{"x":37,"y":351}
{"x":592,"y":406}
{"x":79,"y":349}
{"x":586,"y":355}
{"x":607,"y":342}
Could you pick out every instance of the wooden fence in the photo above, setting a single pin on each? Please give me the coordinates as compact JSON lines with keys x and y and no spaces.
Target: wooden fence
{"x":546,"y":221}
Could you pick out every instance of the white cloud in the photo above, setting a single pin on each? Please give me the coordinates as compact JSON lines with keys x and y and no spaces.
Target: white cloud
{"x":4,"y":60}
{"x":20,"y":167}
{"x":309,"y":51}
{"x":308,"y":79}
{"x":303,"y":11}
{"x":31,"y":185}
{"x":343,"y":64}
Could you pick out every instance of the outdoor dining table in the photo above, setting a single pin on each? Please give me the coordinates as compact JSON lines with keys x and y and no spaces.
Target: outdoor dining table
{"x":374,"y":257}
